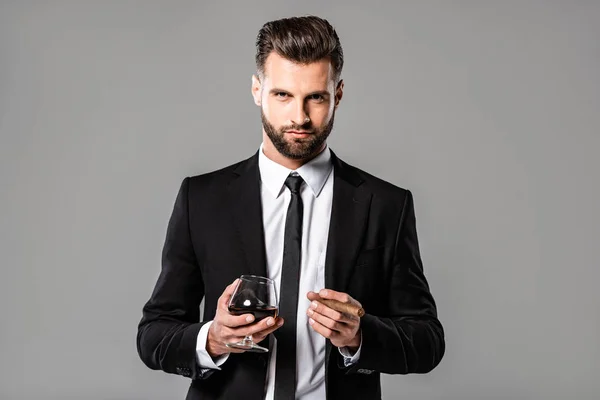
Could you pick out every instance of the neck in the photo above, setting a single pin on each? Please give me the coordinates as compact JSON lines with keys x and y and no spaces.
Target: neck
{"x":291,"y":163}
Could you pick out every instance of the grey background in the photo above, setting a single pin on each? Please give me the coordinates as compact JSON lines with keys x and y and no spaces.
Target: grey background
{"x":487,"y":111}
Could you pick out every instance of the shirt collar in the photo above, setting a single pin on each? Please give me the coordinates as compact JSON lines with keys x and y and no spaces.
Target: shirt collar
{"x":314,"y":173}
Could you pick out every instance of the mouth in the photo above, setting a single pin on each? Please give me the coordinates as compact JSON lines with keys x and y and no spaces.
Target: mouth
{"x":299,"y":134}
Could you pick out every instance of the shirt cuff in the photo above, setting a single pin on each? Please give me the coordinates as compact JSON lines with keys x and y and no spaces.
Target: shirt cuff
{"x":350,"y":359}
{"x":204,"y":359}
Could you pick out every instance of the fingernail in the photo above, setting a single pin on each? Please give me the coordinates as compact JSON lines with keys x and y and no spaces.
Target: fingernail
{"x":311,"y":321}
{"x":313,"y":305}
{"x":323,"y":293}
{"x":270,"y":322}
{"x":280,"y":322}
{"x":310,"y":312}
{"x":249,"y":318}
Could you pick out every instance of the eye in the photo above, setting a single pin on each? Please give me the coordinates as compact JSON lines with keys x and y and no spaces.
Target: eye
{"x":316,"y":97}
{"x":281,"y":95}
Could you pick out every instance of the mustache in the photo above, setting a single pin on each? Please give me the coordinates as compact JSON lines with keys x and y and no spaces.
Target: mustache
{"x":296,"y":127}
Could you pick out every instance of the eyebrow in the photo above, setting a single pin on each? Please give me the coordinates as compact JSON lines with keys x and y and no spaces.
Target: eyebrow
{"x":319,"y":92}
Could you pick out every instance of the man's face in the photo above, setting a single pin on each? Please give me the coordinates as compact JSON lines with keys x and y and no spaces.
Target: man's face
{"x":298,"y":104}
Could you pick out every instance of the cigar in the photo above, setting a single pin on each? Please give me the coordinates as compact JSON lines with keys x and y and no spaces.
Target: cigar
{"x":344,"y":307}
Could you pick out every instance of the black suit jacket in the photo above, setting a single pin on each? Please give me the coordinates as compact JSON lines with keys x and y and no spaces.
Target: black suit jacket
{"x":215,"y":234}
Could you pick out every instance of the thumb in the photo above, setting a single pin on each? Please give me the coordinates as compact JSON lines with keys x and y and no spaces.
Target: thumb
{"x":228,"y":292}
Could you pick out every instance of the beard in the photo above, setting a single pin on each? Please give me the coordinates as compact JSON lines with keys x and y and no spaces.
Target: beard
{"x":297,"y":148}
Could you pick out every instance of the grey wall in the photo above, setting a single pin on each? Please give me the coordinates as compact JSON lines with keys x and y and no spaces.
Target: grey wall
{"x":487,"y":111}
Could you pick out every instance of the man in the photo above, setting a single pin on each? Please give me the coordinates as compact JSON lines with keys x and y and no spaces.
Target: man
{"x":320,"y":228}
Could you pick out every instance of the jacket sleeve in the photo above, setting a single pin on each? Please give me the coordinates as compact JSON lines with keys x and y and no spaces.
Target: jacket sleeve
{"x":168,"y":331}
{"x":410,"y":339}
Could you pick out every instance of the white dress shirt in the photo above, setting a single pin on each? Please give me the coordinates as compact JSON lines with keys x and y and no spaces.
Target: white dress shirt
{"x":317,"y":196}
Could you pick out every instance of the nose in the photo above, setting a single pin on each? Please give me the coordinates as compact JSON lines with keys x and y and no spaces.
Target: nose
{"x":301,"y":116}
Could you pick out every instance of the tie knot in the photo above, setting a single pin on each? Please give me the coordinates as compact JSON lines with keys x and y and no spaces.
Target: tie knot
{"x":293,"y":182}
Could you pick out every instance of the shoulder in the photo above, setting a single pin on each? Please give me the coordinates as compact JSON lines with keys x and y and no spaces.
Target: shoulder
{"x":219,"y":178}
{"x":376,"y":185}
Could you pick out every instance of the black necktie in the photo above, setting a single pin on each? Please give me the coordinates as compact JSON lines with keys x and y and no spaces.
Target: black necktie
{"x":285,"y":373}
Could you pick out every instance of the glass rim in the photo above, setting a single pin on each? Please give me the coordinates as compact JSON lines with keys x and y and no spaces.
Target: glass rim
{"x":257,"y":279}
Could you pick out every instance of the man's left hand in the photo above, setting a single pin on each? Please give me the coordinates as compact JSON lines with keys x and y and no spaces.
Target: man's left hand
{"x":343,"y":330}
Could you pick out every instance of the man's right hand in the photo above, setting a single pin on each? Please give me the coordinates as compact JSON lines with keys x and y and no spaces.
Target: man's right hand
{"x":228,"y":328}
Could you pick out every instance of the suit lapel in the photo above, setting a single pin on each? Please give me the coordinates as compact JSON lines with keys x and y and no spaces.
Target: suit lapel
{"x":349,"y":212}
{"x":245,"y":200}
{"x":349,"y":215}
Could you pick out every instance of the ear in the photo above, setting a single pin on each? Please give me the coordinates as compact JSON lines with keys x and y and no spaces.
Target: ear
{"x":339,"y":93}
{"x":256,"y":90}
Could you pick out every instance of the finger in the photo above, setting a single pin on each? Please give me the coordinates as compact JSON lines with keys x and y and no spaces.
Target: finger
{"x":261,"y":335}
{"x":326,"y":321}
{"x":332,"y":294}
{"x":265,"y":324}
{"x":320,"y":329}
{"x":353,"y":315}
{"x":320,"y":308}
{"x":234,"y":321}
{"x":339,"y":296}
{"x":313,"y":296}
{"x":316,"y":296}
{"x":223,"y":301}
{"x":232,"y":335}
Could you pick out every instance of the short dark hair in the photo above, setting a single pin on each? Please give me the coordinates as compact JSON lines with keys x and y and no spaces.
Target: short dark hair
{"x":300,"y":39}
